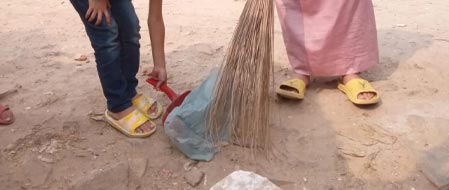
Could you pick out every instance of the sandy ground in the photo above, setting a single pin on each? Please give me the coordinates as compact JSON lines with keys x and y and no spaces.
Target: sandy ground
{"x":324,"y":142}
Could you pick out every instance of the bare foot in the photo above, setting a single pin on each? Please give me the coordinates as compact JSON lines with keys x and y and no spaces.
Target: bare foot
{"x":153,"y":109}
{"x":363,"y":95}
{"x":144,"y":128}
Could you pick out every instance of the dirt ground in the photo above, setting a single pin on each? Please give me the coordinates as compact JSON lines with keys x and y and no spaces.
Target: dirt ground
{"x":323,"y":142}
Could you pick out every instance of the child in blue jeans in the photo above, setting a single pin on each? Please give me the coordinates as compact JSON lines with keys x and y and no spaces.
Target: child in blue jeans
{"x":113,"y":29}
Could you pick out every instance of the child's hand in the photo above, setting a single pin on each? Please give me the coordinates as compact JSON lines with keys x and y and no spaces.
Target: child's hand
{"x":98,"y":9}
{"x":158,"y":73}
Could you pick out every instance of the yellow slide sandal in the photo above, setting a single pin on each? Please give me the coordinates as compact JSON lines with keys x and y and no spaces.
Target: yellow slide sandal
{"x":292,"y":89}
{"x":356,"y":86}
{"x":143,"y":104}
{"x":128,"y":124}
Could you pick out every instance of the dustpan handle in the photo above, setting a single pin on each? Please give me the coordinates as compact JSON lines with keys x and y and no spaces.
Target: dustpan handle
{"x":164,"y":88}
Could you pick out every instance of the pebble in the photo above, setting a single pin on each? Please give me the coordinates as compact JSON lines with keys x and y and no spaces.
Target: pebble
{"x":194,"y":177}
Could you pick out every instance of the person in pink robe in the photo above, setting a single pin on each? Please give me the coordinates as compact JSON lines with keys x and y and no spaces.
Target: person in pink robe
{"x":328,"y":38}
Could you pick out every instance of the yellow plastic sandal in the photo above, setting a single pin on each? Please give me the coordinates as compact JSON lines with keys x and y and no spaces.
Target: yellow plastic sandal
{"x":356,"y":86}
{"x":143,"y":104}
{"x":128,"y":124}
{"x":297,"y":92}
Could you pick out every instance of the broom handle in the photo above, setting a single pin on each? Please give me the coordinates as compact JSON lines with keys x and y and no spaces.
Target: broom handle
{"x":172,"y":95}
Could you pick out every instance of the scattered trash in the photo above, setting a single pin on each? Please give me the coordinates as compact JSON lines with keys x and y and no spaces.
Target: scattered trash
{"x":50,"y":147}
{"x":96,"y":116}
{"x":44,"y":159}
{"x":81,"y":58}
{"x":190,"y":164}
{"x":354,"y":152}
{"x":244,"y":180}
{"x":166,"y":173}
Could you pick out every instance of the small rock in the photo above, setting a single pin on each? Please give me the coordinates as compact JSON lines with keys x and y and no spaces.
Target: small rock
{"x":9,"y":147}
{"x":99,"y":179}
{"x":194,"y":177}
{"x":401,"y":25}
{"x":244,"y":180}
{"x":71,"y":127}
{"x":435,"y":166}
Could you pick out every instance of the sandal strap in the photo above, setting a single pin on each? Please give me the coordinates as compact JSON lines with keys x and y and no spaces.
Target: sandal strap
{"x":143,"y":103}
{"x":132,"y":121}
{"x":360,"y":86}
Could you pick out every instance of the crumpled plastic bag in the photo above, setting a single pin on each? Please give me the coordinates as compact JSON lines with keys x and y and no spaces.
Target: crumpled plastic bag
{"x":185,"y":125}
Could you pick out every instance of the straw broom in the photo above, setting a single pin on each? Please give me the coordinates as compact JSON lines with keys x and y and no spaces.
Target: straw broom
{"x":241,"y":95}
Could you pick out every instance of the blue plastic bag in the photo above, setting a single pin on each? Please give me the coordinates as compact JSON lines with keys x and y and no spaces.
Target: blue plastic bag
{"x":185,"y":125}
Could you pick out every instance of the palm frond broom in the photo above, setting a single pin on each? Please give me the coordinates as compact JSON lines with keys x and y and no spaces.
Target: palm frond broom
{"x":241,"y":101}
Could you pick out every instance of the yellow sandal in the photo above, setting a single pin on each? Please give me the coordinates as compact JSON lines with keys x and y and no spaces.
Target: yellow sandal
{"x":128,"y":124}
{"x":356,"y":86}
{"x":143,"y":104}
{"x":297,"y":85}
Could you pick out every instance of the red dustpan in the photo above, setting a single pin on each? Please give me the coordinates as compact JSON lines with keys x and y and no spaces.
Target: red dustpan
{"x":176,"y":99}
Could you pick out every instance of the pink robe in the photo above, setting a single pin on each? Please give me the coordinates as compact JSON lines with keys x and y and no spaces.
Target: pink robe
{"x":329,"y":37}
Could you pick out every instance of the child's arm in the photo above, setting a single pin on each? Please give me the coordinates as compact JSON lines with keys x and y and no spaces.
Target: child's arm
{"x":157,"y":37}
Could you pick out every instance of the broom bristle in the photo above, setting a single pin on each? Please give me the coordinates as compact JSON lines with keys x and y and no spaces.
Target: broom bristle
{"x":242,"y":103}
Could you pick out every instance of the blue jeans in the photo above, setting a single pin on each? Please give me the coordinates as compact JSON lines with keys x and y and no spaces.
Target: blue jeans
{"x":117,"y":51}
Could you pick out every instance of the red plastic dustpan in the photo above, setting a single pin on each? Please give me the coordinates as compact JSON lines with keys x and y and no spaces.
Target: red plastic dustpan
{"x":176,"y":99}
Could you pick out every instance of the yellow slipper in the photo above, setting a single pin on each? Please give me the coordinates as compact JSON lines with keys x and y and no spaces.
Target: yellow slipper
{"x":356,"y":86}
{"x":292,"y":89}
{"x":143,"y":104}
{"x":128,"y":124}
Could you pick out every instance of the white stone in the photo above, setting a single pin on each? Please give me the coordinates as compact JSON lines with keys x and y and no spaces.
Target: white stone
{"x":244,"y":180}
